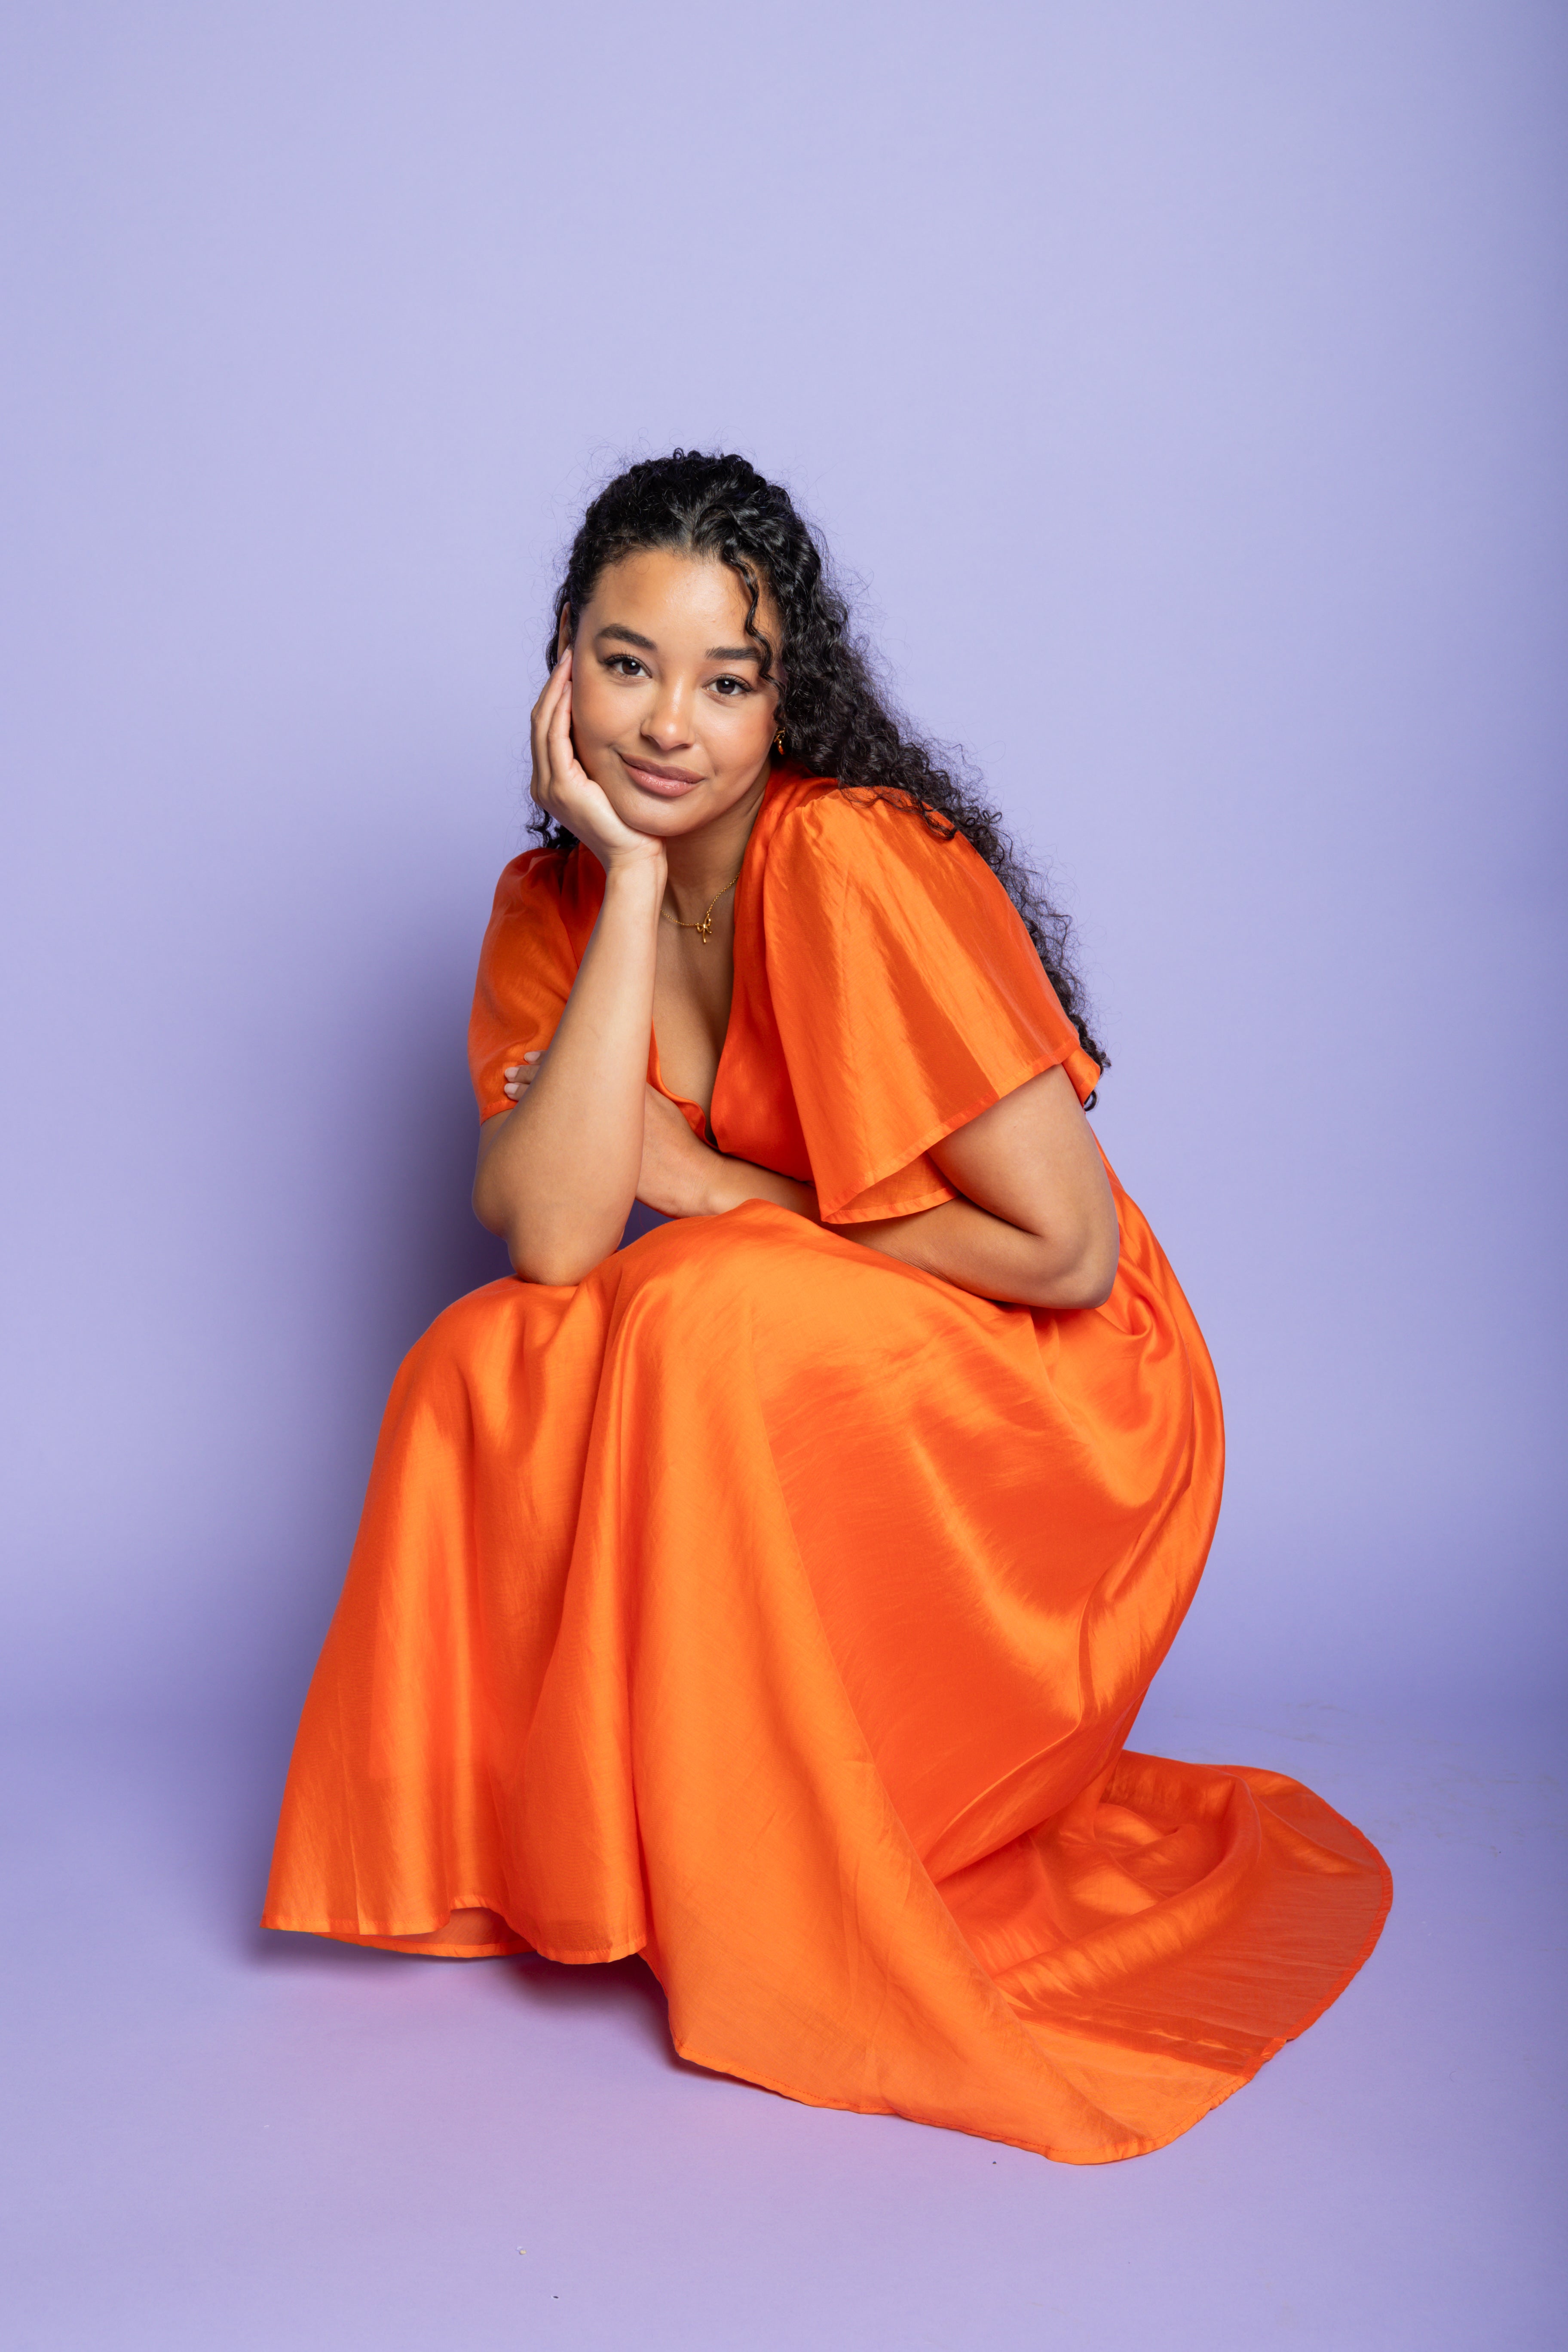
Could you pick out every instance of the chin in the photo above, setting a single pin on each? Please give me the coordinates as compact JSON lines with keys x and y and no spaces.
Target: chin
{"x":645,"y":815}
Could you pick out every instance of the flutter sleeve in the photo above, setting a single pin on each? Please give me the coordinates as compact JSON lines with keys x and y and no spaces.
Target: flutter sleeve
{"x":907,"y":994}
{"x":527,"y":965}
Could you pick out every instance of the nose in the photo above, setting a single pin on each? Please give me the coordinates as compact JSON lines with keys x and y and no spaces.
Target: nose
{"x":668,"y":720}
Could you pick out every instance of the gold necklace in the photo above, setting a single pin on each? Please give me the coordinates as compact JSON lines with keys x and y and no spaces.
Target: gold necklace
{"x":704,"y":930}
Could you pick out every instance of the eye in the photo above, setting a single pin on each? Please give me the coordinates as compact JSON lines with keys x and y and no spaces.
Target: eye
{"x":613,"y":662}
{"x":729,"y":688}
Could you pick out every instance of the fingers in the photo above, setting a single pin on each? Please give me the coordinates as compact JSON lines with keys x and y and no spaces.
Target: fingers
{"x":560,"y":670}
{"x":519,"y":1075}
{"x":558,"y":730}
{"x":538,"y":726}
{"x":541,"y":724}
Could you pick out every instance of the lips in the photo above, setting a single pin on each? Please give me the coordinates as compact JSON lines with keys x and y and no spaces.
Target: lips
{"x":667,"y":783}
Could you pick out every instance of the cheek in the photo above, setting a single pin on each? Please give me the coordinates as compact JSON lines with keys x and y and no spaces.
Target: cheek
{"x":743,"y":730}
{"x":597,"y":712}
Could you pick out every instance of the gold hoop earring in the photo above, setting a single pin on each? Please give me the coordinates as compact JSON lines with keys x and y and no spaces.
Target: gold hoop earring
{"x":778,"y":742}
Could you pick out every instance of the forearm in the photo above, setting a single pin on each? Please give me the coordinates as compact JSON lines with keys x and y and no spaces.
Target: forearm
{"x":561,"y":1178}
{"x":966,"y":1246}
{"x":963,"y":1243}
{"x":734,"y":1180}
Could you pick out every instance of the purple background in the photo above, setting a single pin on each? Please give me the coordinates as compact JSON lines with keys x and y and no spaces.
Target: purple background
{"x":1183,"y":386}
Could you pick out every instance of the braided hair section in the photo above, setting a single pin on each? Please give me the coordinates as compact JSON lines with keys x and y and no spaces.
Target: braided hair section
{"x":837,"y":721}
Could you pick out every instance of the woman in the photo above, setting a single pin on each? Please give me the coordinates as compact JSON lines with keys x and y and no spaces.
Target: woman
{"x":773,"y":1596}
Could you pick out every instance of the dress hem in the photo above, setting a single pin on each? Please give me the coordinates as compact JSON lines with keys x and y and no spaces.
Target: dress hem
{"x":1135,"y":2145}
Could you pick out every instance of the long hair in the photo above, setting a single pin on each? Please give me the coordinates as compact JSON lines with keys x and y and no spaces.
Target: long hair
{"x":836,"y":719}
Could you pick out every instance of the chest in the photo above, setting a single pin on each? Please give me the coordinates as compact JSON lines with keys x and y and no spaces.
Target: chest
{"x":694,"y":986}
{"x":715,"y":1036}
{"x":710,"y":1008}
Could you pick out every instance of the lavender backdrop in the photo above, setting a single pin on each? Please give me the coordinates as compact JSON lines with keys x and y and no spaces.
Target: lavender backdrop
{"x":1183,"y":384}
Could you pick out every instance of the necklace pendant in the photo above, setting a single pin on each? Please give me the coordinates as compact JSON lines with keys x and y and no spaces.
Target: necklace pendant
{"x":704,"y":928}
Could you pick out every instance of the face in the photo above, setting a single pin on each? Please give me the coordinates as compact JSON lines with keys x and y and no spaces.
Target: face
{"x":667,"y":713}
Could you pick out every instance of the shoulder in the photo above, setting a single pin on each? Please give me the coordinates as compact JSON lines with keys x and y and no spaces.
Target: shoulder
{"x":533,"y":881}
{"x":866,"y":895}
{"x":545,"y":909}
{"x":880,"y":847}
{"x":548,"y":890}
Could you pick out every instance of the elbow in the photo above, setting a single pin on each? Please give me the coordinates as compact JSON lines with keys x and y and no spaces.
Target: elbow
{"x":1087,"y":1279}
{"x":558,"y":1268}
{"x":558,"y":1258}
{"x":1090,"y":1286}
{"x":1095,"y":1276}
{"x":530,"y":1262}
{"x":536,"y":1256}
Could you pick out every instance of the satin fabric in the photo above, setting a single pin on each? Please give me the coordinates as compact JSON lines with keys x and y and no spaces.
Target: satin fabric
{"x":779,"y":1612}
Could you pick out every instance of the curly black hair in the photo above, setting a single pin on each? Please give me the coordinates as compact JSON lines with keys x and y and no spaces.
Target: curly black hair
{"x":836,"y":719}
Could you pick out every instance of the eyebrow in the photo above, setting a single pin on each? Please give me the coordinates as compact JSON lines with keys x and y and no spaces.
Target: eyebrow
{"x":715,"y":653}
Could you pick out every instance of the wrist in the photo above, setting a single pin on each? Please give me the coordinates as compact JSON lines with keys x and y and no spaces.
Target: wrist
{"x":731,"y":1181}
{"x":723,"y":1185}
{"x":638,"y":873}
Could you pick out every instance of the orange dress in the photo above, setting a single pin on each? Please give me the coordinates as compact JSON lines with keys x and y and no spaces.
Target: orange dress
{"x":778,"y":1612}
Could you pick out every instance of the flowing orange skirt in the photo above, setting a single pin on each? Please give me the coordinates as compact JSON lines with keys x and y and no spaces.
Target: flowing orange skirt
{"x":775,"y":1610}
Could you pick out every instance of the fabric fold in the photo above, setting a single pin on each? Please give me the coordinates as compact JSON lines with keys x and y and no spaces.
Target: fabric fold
{"x":781,"y":1612}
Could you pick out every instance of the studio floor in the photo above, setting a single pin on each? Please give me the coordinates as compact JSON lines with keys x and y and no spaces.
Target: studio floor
{"x":228,"y":2140}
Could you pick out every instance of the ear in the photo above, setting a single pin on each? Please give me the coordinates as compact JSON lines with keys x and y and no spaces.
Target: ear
{"x":564,"y":634}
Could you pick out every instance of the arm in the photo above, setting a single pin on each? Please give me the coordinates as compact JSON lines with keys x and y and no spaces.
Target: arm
{"x":1037,"y":1226}
{"x":680,"y":1175}
{"x":1038,"y":1223}
{"x":683,"y":1177}
{"x":557,"y":1174}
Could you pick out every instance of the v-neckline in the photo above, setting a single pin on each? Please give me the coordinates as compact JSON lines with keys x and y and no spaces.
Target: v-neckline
{"x":655,"y":1075}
